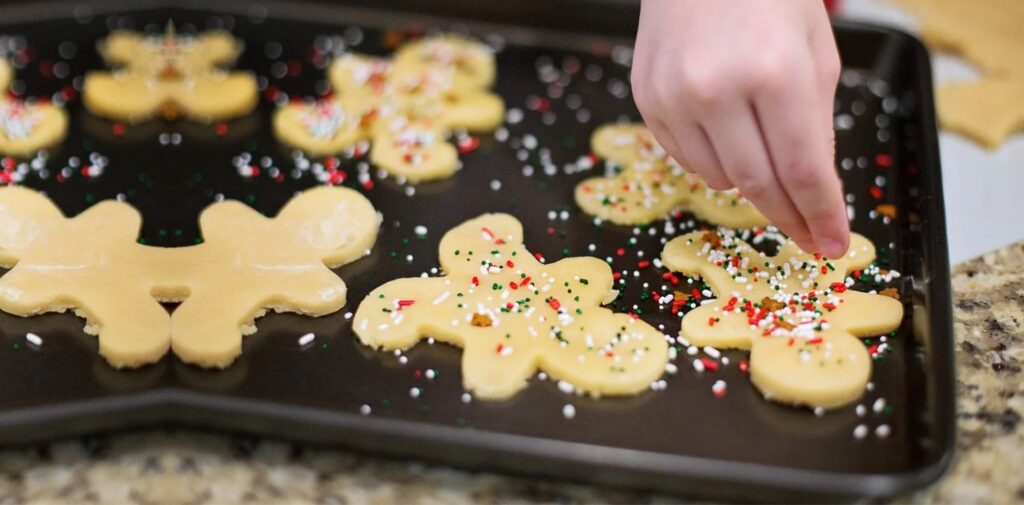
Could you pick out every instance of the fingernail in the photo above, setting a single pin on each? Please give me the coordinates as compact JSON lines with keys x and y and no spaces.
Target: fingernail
{"x":832,"y":248}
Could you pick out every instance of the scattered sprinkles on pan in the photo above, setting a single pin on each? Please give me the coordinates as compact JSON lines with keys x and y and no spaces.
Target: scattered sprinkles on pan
{"x":636,"y":268}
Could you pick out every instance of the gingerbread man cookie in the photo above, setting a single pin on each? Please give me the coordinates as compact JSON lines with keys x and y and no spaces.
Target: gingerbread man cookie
{"x":649,"y":184}
{"x":90,"y":264}
{"x":26,"y":127}
{"x":406,"y":107}
{"x":249,"y":264}
{"x":93,"y":264}
{"x":513,"y":315}
{"x":170,"y":76}
{"x":794,"y":311}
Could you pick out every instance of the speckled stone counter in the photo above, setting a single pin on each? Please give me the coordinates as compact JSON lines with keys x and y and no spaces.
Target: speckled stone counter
{"x":196,"y":468}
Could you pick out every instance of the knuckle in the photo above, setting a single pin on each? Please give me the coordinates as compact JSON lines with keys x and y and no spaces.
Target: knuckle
{"x":756,"y":189}
{"x":803,"y":175}
{"x":703,"y":88}
{"x":770,"y":74}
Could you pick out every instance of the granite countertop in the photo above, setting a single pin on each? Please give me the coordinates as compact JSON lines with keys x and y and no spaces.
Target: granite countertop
{"x":198,"y":468}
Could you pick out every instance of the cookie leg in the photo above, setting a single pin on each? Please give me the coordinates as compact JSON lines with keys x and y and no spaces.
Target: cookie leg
{"x":130,"y":334}
{"x":829,"y":374}
{"x":492,"y":370}
{"x":207,"y":330}
{"x":608,"y":354}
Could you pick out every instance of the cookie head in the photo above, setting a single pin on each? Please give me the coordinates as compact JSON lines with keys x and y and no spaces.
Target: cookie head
{"x":339,"y":223}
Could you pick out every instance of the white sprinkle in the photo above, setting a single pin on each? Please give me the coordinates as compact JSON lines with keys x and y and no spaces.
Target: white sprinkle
{"x":34,"y":339}
{"x":568,"y":411}
{"x":303,"y":340}
{"x":671,"y":368}
{"x":711,"y":351}
{"x":495,"y":185}
{"x":718,"y":388}
{"x":861,"y":410}
{"x":860,"y":431}
{"x":819,"y":411}
{"x":878,"y":406}
{"x":466,"y":397}
{"x":566,"y":387}
{"x":420,"y":231}
{"x":430,"y":374}
{"x":365,"y":410}
{"x":415,"y":392}
{"x":882,"y":431}
{"x":698,"y":365}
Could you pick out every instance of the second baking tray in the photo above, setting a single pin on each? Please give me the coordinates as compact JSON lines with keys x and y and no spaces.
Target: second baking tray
{"x":683,"y":438}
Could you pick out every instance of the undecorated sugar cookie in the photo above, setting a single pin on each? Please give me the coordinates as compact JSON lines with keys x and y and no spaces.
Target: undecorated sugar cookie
{"x":647,"y":184}
{"x":170,"y":76}
{"x":405,"y":107}
{"x":794,"y":311}
{"x":513,"y":315}
{"x":247,"y":264}
{"x":27,"y":126}
{"x":987,"y":34}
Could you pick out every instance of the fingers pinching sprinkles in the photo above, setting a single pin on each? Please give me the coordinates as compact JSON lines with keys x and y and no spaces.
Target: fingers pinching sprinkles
{"x":796,"y":312}
{"x":27,"y":126}
{"x":170,"y":76}
{"x":405,"y":107}
{"x":248,"y":264}
{"x":645,"y":184}
{"x":513,"y":316}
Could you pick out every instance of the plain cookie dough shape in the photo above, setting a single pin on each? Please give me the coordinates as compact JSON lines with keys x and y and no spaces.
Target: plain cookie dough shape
{"x":26,"y":127}
{"x":513,"y":315}
{"x":91,"y":264}
{"x":651,"y":184}
{"x":170,"y":76}
{"x":988,"y":35}
{"x":798,"y":318}
{"x":405,"y":107}
{"x":248,"y":264}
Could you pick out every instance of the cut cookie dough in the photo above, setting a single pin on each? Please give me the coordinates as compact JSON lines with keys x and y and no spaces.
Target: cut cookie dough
{"x":987,"y":34}
{"x":647,"y":184}
{"x":27,"y":126}
{"x":405,"y":107}
{"x":513,"y":315}
{"x":987,"y":111}
{"x":170,"y":76}
{"x":794,"y":311}
{"x":247,"y":264}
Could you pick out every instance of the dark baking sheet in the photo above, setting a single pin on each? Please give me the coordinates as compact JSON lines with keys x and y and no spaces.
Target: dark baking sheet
{"x":680,"y":439}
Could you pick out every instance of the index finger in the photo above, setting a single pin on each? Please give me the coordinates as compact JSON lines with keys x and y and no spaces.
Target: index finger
{"x":801,"y":153}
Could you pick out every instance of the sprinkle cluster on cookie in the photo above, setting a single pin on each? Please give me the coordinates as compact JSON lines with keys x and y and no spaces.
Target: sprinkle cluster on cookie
{"x":513,"y":315}
{"x":797,"y":312}
{"x":405,"y":107}
{"x":644,"y":184}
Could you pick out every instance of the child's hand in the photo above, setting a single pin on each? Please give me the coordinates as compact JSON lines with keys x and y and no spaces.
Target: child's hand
{"x":741,"y":92}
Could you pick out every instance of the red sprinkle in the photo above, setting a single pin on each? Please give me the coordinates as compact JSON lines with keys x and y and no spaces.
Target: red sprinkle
{"x":744,"y":366}
{"x":118,"y":129}
{"x":475,"y":281}
{"x":468,"y":144}
{"x":709,"y":364}
{"x":642,"y":264}
{"x":405,"y":303}
{"x":876,"y":192}
{"x":554,"y":303}
{"x":883,"y":160}
{"x":221,"y":129}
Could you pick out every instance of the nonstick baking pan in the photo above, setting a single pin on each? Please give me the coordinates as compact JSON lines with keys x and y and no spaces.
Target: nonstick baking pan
{"x":680,"y":438}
